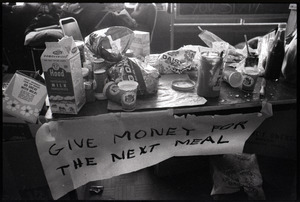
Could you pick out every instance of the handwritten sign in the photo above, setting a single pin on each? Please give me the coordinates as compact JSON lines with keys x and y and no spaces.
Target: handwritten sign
{"x":75,"y":152}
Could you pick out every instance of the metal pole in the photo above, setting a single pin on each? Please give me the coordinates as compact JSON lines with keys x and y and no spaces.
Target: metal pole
{"x":172,"y":27}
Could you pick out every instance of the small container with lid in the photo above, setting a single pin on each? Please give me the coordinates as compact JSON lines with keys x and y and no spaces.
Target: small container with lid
{"x":97,"y":63}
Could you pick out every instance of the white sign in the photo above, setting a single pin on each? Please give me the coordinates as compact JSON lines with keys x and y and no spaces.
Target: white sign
{"x":75,"y":152}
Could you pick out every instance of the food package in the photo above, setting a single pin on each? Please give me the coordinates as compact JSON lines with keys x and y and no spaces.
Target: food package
{"x":25,"y":96}
{"x":134,"y":69}
{"x":175,"y":61}
{"x":110,"y":43}
{"x":140,"y":44}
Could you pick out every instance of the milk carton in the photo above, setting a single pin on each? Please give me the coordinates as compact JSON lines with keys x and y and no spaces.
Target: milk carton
{"x":62,"y":70}
{"x":140,"y":44}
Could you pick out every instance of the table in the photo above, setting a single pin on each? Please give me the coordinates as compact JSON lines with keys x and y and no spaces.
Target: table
{"x":282,"y":97}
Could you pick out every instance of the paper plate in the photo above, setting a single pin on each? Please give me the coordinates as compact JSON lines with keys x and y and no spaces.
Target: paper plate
{"x":183,"y":85}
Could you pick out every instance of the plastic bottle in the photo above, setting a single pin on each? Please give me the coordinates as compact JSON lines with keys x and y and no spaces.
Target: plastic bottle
{"x":276,"y":54}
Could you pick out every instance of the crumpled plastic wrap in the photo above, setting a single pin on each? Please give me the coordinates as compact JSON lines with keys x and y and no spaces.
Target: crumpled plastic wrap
{"x":230,"y":172}
{"x":110,"y":43}
{"x":134,"y":69}
{"x":175,"y":61}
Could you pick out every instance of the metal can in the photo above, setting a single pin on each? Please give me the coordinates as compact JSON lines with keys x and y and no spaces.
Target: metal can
{"x":97,"y":63}
{"x":210,"y":74}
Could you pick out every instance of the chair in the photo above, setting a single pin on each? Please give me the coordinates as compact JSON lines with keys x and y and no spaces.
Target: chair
{"x":70,"y":27}
{"x":154,"y":22}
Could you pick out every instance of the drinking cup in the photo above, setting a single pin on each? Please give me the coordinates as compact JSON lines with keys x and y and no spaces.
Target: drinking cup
{"x":128,"y":91}
{"x":210,"y":74}
{"x":250,"y":76}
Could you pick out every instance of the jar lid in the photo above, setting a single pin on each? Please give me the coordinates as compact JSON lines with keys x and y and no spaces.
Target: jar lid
{"x":99,"y":71}
{"x":98,"y":60}
{"x":183,"y":85}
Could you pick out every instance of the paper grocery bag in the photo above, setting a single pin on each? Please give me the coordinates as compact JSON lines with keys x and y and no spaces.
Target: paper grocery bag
{"x":140,"y":44}
{"x":25,"y":96}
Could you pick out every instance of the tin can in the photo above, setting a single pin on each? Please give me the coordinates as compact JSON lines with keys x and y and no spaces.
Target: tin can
{"x":97,"y":63}
{"x":100,"y":79}
{"x":210,"y":74}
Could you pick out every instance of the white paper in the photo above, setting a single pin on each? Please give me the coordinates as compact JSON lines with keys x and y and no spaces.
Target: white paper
{"x":75,"y":152}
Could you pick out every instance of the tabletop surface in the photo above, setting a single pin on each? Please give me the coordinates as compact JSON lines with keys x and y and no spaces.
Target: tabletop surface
{"x":277,"y":93}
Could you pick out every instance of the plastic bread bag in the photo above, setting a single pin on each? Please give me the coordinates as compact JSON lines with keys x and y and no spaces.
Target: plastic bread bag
{"x":231,"y":172}
{"x":175,"y":61}
{"x":110,"y":43}
{"x":134,"y":69}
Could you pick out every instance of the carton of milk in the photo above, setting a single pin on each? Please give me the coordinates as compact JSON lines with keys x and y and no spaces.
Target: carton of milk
{"x":140,"y":45}
{"x":62,"y":70}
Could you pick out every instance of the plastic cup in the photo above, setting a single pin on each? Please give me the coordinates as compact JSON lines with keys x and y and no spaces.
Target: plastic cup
{"x":250,"y":75}
{"x":128,"y":91}
{"x":251,"y":60}
{"x":209,"y":74}
{"x":233,"y":77}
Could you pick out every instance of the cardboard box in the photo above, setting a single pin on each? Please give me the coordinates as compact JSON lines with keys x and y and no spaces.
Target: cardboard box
{"x":25,"y":96}
{"x":62,"y":70}
{"x":140,"y":44}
